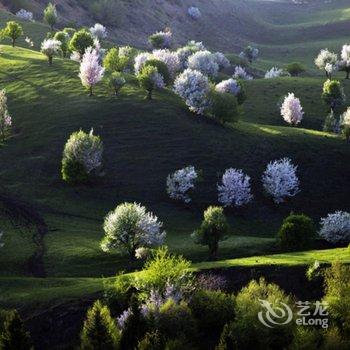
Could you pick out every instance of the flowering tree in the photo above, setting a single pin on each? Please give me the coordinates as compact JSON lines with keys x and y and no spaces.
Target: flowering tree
{"x":194,"y":12}
{"x":180,"y":183}
{"x":280,"y":180}
{"x":25,"y":15}
{"x":326,"y":61}
{"x":204,"y":62}
{"x":129,"y":226}
{"x":249,"y":53}
{"x":344,"y":64}
{"x":232,"y":86}
{"x":98,"y":31}
{"x":150,"y":79}
{"x":161,"y":40}
{"x":171,"y":59}
{"x":50,"y":47}
{"x":82,"y":157}
{"x":29,"y":41}
{"x":189,"y":49}
{"x":291,"y":110}
{"x":275,"y":72}
{"x":335,"y":228}
{"x":241,"y":73}
{"x":91,"y":72}
{"x":221,"y":60}
{"x":13,"y":31}
{"x":50,"y":15}
{"x":235,"y":188}
{"x":193,"y":87}
{"x":345,"y":124}
{"x":140,"y":60}
{"x":5,"y":118}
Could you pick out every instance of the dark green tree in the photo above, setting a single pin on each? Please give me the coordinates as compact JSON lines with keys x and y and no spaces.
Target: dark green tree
{"x":100,"y":331}
{"x":14,"y":336}
{"x":81,"y":41}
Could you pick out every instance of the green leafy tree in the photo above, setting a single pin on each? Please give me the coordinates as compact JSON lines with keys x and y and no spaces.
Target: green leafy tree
{"x":333,"y":95}
{"x":297,"y":232}
{"x":13,"y":30}
{"x":50,"y":15}
{"x":150,"y":79}
{"x":213,"y":229}
{"x":14,"y":336}
{"x":100,"y":331}
{"x":151,"y":341}
{"x":161,"y":68}
{"x":116,"y":81}
{"x":113,"y":62}
{"x":81,"y":41}
{"x":295,"y":69}
{"x":63,"y":38}
{"x":224,"y":107}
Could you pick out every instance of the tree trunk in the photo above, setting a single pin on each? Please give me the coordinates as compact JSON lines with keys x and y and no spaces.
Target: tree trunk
{"x":50,"y":61}
{"x":213,"y":249}
{"x":13,"y":42}
{"x":90,"y":91}
{"x":149,"y":95}
{"x":347,"y":74}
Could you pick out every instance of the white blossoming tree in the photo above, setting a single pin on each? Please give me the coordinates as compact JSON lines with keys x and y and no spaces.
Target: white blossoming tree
{"x":129,"y":226}
{"x":194,"y":12}
{"x":91,"y":71}
{"x":250,"y":53}
{"x":140,"y":60}
{"x":280,"y":180}
{"x":241,"y":73}
{"x":235,"y":188}
{"x":49,"y":48}
{"x":335,"y":228}
{"x":275,"y":72}
{"x":161,"y":40}
{"x":344,"y":63}
{"x":232,"y":86}
{"x":5,"y":118}
{"x":221,"y":60}
{"x":25,"y":15}
{"x":181,"y":183}
{"x":345,"y":124}
{"x":98,"y":31}
{"x":82,"y":157}
{"x":291,"y":110}
{"x":204,"y":62}
{"x":171,"y":60}
{"x":326,"y":60}
{"x":193,"y":87}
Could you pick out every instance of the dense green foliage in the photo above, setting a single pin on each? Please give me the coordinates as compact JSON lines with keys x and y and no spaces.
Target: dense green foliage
{"x":224,"y":107}
{"x":295,"y":69}
{"x":13,"y":30}
{"x":113,"y":62}
{"x":162,"y":69}
{"x":63,"y":37}
{"x":80,"y":41}
{"x":297,"y":232}
{"x":99,"y":331}
{"x":146,"y":79}
{"x":50,"y":15}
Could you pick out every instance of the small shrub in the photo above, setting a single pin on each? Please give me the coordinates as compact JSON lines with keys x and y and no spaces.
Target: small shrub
{"x":194,"y":12}
{"x":295,"y":69}
{"x":214,"y":228}
{"x":116,"y":81}
{"x":333,"y":94}
{"x":297,"y":232}
{"x":161,"y":40}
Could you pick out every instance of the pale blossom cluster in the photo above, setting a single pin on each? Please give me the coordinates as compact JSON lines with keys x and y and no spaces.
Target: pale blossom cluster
{"x":131,"y":226}
{"x":204,"y":62}
{"x":221,"y":60}
{"x":5,"y":118}
{"x":235,"y":188}
{"x":250,"y":53}
{"x":280,"y":180}
{"x":91,"y":71}
{"x":291,"y":110}
{"x":142,"y":253}
{"x":185,"y":52}
{"x":326,"y":60}
{"x":241,"y":73}
{"x":171,"y":60}
{"x":345,"y":54}
{"x":158,"y":80}
{"x":29,"y":41}
{"x":193,"y":87}
{"x":50,"y":47}
{"x":98,"y":31}
{"x":140,"y":60}
{"x":162,"y":39}
{"x":345,"y":118}
{"x":25,"y":15}
{"x":180,"y":183}
{"x":335,"y":228}
{"x":75,"y":56}
{"x":194,"y":12}
{"x":121,"y":320}
{"x":85,"y":149}
{"x":275,"y":72}
{"x":230,"y":86}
